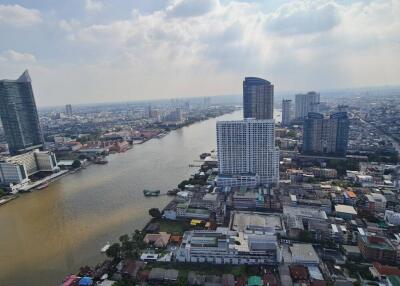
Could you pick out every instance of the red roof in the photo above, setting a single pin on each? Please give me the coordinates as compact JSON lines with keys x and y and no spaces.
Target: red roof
{"x":375,"y":239}
{"x":298,"y":272}
{"x":386,"y":270}
{"x":270,"y":280}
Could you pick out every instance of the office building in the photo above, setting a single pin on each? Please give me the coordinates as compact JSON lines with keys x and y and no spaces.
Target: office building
{"x":326,"y":135}
{"x":17,"y":169}
{"x":286,"y":112}
{"x":247,"y":147}
{"x":19,"y":115}
{"x":12,"y":173}
{"x":306,"y":103}
{"x":223,"y":246}
{"x":68,"y":110}
{"x":258,"y":98}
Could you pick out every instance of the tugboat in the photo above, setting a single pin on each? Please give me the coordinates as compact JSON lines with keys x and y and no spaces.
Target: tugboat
{"x":151,"y":193}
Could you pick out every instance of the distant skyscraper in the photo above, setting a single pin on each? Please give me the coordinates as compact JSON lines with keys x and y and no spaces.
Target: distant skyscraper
{"x":258,"y":98}
{"x":326,"y":135}
{"x":247,"y":147}
{"x":19,"y":115}
{"x":68,"y":109}
{"x":306,"y":103}
{"x":286,"y":112}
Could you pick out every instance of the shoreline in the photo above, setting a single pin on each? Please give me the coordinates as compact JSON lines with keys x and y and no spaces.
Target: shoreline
{"x":68,"y":172}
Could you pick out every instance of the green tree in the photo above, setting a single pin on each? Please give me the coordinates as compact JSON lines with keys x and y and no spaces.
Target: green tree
{"x":76,"y":164}
{"x":155,"y":212}
{"x":2,"y":193}
{"x":114,"y":251}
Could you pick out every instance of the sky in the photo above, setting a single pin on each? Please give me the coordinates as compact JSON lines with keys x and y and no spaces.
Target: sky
{"x":89,"y":51}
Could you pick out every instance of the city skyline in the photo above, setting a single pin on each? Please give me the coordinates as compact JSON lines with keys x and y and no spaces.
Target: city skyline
{"x":164,"y":49}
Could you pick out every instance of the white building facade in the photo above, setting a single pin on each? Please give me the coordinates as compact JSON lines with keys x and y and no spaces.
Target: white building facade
{"x":11,"y":173}
{"x":223,"y":246}
{"x":247,"y":147}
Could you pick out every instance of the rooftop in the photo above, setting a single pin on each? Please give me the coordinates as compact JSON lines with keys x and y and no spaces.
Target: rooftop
{"x":345,"y":209}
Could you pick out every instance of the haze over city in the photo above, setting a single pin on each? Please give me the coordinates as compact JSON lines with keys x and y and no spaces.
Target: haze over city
{"x":100,"y":51}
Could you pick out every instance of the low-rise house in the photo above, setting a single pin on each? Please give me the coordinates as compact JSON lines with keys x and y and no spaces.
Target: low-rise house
{"x":351,"y":252}
{"x":131,"y":267}
{"x":392,"y":217}
{"x":345,"y":212}
{"x":304,"y":254}
{"x":376,"y":248}
{"x":299,"y":273}
{"x":381,"y":271}
{"x":157,"y":239}
{"x":161,"y":274}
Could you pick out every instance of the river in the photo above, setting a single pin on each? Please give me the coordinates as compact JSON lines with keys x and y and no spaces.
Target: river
{"x":47,"y":234}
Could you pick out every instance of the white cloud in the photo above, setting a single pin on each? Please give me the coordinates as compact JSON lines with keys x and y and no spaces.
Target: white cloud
{"x":16,"y":57}
{"x":94,"y":5}
{"x":191,"y":8}
{"x":16,"y":15}
{"x":304,"y":17}
{"x":209,"y":46}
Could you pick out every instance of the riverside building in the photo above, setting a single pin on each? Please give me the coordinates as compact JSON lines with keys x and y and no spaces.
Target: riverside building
{"x":247,"y":148}
{"x":305,"y":103}
{"x":258,"y":98}
{"x":19,"y":115}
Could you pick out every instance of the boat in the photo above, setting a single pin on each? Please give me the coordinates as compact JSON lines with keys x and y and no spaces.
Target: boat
{"x":151,"y":193}
{"x":204,"y":155}
{"x":42,"y":186}
{"x":105,"y":247}
{"x":173,"y":192}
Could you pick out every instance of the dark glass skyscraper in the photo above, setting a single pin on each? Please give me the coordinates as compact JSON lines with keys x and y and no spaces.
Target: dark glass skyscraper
{"x":19,"y":115}
{"x":258,"y":98}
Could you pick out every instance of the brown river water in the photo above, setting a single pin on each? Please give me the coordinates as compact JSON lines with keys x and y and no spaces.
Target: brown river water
{"x":47,"y":234}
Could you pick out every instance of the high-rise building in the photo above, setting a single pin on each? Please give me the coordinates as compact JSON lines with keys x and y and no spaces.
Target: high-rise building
{"x":247,"y":147}
{"x":258,"y":98}
{"x":286,"y":112}
{"x":306,"y":103}
{"x":326,"y":135}
{"x":19,"y":115}
{"x":68,"y":109}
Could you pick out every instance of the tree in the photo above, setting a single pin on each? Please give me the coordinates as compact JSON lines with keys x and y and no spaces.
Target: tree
{"x":76,"y":164}
{"x":2,"y":193}
{"x":114,"y":251}
{"x":155,"y":213}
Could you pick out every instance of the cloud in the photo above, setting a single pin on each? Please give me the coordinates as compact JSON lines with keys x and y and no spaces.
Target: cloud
{"x":198,"y":48}
{"x":191,"y":8}
{"x":16,"y":15}
{"x":16,"y":57}
{"x":304,"y":17}
{"x":93,"y":5}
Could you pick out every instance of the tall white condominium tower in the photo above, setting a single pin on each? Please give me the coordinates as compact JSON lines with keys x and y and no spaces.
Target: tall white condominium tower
{"x":247,"y":147}
{"x":286,"y":112}
{"x":305,"y":103}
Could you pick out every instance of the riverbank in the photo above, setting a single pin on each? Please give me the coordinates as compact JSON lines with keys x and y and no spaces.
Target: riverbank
{"x":79,"y":213}
{"x":112,"y":268}
{"x":6,"y":199}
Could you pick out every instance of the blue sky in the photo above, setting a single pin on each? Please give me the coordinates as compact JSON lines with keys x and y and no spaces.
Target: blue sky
{"x":83,"y":51}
